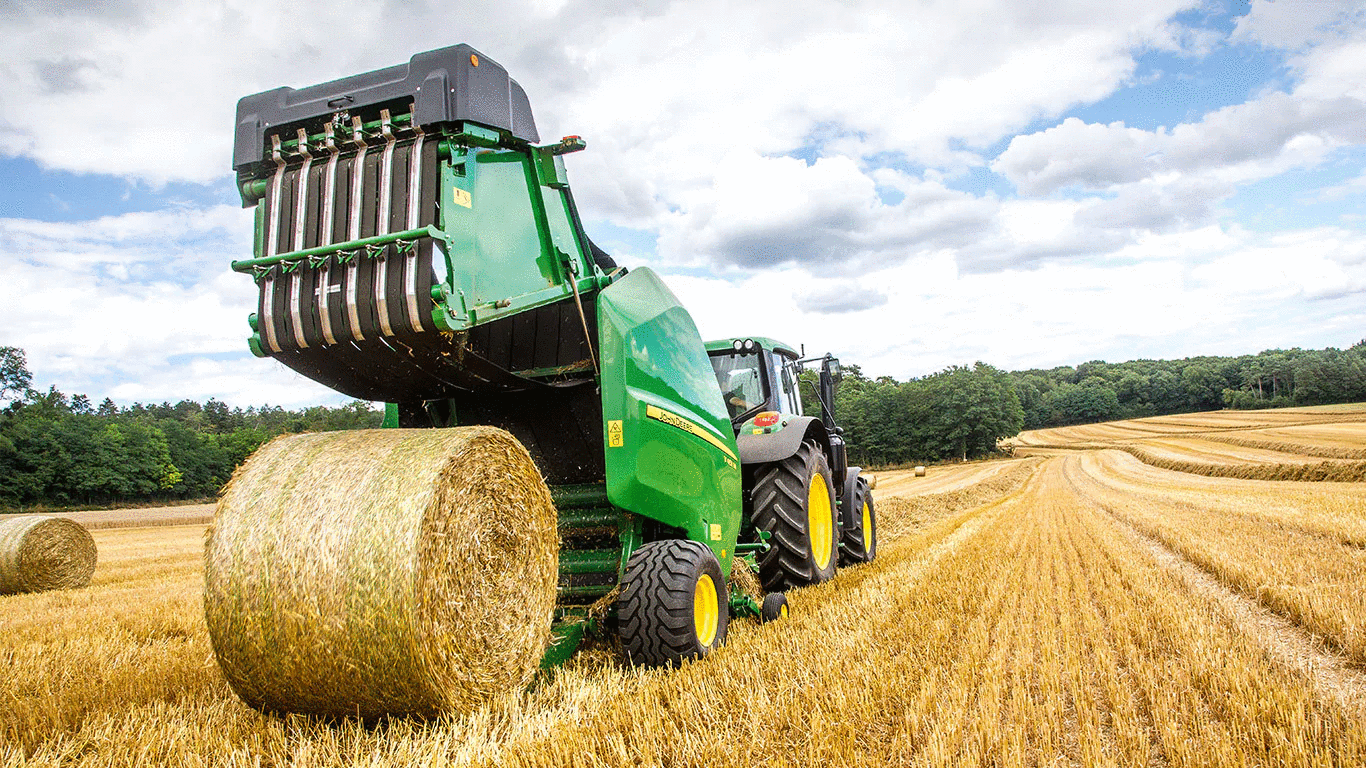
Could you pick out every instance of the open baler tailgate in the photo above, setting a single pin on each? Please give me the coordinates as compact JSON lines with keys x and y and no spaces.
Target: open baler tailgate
{"x":368,"y":189}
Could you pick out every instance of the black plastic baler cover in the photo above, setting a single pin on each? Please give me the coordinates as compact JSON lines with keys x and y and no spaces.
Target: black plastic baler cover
{"x":455,"y":83}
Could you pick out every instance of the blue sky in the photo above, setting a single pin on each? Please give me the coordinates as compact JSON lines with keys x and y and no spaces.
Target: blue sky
{"x":909,"y":185}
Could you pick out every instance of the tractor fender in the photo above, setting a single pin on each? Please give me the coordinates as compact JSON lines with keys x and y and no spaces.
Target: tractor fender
{"x":763,"y":449}
{"x":847,"y":500}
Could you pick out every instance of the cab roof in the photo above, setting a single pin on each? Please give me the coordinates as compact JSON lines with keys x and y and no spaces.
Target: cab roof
{"x":720,"y":345}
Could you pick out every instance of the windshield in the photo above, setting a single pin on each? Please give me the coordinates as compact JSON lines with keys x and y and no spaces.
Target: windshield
{"x":741,"y":380}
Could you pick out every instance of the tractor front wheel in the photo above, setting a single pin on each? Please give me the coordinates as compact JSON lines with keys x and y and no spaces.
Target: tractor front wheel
{"x":794,"y":501}
{"x":673,"y":604}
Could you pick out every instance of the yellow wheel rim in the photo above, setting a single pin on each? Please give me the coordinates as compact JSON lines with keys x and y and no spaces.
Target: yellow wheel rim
{"x":782,"y":612}
{"x":820,"y":529}
{"x":867,"y":528}
{"x":705,"y":610}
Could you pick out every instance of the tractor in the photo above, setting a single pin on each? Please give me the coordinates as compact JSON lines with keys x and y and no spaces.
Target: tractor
{"x":417,"y":244}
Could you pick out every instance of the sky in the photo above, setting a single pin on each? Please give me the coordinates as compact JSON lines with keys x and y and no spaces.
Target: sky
{"x":909,"y":185}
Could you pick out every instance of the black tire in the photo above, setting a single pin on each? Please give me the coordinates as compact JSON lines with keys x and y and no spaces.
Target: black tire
{"x":659,"y":616}
{"x":775,"y":607}
{"x":783,"y":492}
{"x":856,"y":547}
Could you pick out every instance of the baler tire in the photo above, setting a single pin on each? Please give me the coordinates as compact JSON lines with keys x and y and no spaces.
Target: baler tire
{"x":858,"y":548}
{"x":660,"y":607}
{"x":774,"y":608}
{"x":782,"y":492}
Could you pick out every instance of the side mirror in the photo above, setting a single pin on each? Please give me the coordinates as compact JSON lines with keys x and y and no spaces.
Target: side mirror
{"x":834,"y":363}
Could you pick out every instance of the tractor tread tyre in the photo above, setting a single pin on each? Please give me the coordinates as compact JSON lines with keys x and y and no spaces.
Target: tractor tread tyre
{"x":852,"y":550}
{"x":780,"y":499}
{"x":655,"y":609}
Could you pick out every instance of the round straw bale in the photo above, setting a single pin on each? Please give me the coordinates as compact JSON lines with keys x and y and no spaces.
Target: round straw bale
{"x":382,"y":572}
{"x":919,"y":471}
{"x":38,"y":553}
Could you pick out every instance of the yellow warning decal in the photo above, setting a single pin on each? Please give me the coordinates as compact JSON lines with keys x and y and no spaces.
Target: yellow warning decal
{"x":462,"y":198}
{"x":715,"y":531}
{"x":674,"y":420}
{"x":614,"y":434}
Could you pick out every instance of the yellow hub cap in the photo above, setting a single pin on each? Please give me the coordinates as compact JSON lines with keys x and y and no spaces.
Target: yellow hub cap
{"x":820,"y":529}
{"x":867,"y":528}
{"x":783,"y":611}
{"x":705,"y":611}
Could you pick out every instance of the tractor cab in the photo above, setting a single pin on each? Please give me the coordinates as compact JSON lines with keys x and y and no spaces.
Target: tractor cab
{"x":760,"y":384}
{"x":756,"y":376}
{"x":760,"y":376}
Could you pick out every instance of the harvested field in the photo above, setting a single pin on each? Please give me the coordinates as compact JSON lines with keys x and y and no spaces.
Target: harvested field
{"x":948,"y":477}
{"x":1079,"y":607}
{"x":1321,"y":443}
{"x":189,"y":514}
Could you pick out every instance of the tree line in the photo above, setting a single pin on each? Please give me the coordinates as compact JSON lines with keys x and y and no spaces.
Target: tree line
{"x":57,"y":449}
{"x":62,"y":450}
{"x":963,"y":412}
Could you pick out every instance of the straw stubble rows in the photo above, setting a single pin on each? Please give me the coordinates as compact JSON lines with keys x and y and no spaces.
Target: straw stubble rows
{"x":1038,"y":614}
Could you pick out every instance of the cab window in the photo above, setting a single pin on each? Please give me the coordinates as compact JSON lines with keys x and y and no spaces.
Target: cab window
{"x":791,"y":399}
{"x":742,"y":382}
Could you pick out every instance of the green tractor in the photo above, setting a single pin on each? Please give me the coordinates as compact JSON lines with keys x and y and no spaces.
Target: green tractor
{"x":416,"y":244}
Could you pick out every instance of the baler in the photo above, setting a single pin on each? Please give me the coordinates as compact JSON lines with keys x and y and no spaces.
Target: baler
{"x":417,"y":245}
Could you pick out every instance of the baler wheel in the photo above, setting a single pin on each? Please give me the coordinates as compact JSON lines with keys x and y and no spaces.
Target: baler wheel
{"x":673,"y":603}
{"x":859,"y":536}
{"x":794,"y":501}
{"x":775,"y":607}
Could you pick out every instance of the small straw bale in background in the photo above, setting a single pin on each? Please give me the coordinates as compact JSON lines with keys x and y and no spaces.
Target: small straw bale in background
{"x":38,"y":553}
{"x":870,"y":478}
{"x":382,"y":572}
{"x":919,"y":471}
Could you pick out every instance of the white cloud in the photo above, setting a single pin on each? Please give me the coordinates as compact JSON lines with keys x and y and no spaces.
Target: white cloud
{"x":696,"y":114}
{"x":1252,"y":140}
{"x":1209,"y":291}
{"x":140,"y":307}
{"x":1293,"y":25}
{"x":767,"y":211}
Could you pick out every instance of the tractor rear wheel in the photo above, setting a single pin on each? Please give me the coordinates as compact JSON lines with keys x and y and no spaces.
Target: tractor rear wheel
{"x":673,"y":604}
{"x":794,"y":501}
{"x":859,"y":535}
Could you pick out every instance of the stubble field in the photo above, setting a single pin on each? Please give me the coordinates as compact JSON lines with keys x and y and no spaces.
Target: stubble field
{"x":1085,"y":604}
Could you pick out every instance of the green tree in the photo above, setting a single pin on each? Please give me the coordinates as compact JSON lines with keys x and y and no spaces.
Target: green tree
{"x":15,"y":379}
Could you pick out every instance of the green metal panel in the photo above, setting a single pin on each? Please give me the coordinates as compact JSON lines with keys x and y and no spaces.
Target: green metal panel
{"x":670,"y":452}
{"x":493,"y":241}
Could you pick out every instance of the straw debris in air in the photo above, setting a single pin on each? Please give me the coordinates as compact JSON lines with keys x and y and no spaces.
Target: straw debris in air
{"x":382,"y":572}
{"x":39,"y":553}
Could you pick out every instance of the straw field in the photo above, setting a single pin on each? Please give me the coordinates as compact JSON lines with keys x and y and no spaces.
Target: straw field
{"x":1320,"y":443}
{"x":1075,"y":608}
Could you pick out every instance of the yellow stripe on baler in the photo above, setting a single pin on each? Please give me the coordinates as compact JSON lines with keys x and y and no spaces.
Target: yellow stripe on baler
{"x":674,"y":420}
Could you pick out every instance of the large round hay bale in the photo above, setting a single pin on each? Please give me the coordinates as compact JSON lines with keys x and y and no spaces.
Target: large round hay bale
{"x":38,"y":553}
{"x":919,"y":471}
{"x":382,"y":572}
